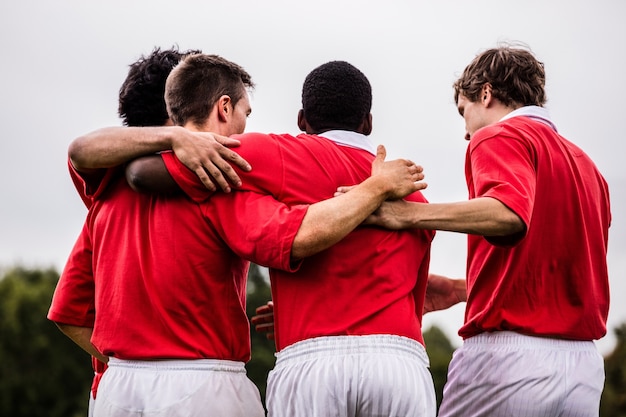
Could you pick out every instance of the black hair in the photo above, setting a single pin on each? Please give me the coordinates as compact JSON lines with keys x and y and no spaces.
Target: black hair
{"x":336,"y":95}
{"x":141,"y":98}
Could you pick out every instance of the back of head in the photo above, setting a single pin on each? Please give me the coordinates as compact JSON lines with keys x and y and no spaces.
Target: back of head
{"x":141,"y":101}
{"x":516,"y":77}
{"x":198,"y":82}
{"x":336,"y":95}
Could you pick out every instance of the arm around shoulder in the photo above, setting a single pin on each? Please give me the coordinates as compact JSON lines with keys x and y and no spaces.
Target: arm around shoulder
{"x":113,"y":146}
{"x":484,"y":216}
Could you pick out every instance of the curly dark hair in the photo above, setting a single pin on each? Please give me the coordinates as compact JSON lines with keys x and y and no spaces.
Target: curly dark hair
{"x":336,"y":95}
{"x":516,"y":77}
{"x":141,"y":99}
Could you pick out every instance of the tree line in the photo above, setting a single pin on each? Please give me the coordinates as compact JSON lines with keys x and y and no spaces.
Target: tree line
{"x":43,"y":373}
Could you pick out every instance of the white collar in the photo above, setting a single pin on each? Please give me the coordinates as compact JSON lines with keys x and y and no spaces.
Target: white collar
{"x":537,"y":113}
{"x":351,"y":139}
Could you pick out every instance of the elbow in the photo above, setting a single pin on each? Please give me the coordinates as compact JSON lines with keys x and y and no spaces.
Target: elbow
{"x":302,"y":247}
{"x":135,"y":178}
{"x":298,"y":251}
{"x":509,"y":231}
{"x":76,"y":151}
{"x":512,"y":224}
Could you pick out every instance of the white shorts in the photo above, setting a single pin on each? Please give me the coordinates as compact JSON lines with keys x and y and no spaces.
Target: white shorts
{"x":92,"y":404}
{"x":360,"y":376}
{"x":506,"y":374}
{"x":177,"y":388}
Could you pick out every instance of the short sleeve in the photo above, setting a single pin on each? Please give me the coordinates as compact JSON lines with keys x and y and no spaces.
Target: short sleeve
{"x":73,"y":301}
{"x":257,"y":227}
{"x":502,"y":167}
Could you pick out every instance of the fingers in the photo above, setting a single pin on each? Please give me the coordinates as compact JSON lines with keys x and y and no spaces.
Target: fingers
{"x":206,"y":180}
{"x":208,"y":155}
{"x":263,"y":321}
{"x":342,"y":190}
{"x":236,"y":159}
{"x":220,"y":170}
{"x":419,"y":185}
{"x":265,"y":309}
{"x":226,"y":141}
{"x":216,"y":177}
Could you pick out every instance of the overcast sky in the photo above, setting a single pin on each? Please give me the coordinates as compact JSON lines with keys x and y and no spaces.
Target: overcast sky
{"x":64,"y":61}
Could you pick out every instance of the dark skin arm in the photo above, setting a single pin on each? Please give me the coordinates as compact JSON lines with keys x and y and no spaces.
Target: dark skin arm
{"x":263,"y":320}
{"x":148,"y":174}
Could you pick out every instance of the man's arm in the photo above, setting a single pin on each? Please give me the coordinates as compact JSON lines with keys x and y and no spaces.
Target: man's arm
{"x":484,"y":216}
{"x":204,"y":153}
{"x":288,"y":233}
{"x":443,"y":293}
{"x":82,"y":337}
{"x":149,"y":174}
{"x":329,"y":221}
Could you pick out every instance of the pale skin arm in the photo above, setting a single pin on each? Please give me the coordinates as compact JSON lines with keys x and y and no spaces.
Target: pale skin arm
{"x":82,"y":337}
{"x":205,"y":154}
{"x":329,"y":221}
{"x":443,"y":293}
{"x":480,"y":216}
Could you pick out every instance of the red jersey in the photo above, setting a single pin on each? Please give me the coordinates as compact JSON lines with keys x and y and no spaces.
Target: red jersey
{"x":73,"y":299}
{"x":166,"y":286}
{"x":371,"y":282}
{"x":551,"y":280}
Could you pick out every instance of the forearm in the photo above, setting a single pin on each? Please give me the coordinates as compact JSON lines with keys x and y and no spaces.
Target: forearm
{"x":112,"y":146}
{"x":329,"y":221}
{"x":149,"y":174}
{"x":457,"y":286}
{"x":481,"y":216}
{"x":82,"y":337}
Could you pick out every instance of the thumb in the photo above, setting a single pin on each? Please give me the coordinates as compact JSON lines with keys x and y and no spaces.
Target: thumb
{"x":381,"y":154}
{"x":226,"y":141}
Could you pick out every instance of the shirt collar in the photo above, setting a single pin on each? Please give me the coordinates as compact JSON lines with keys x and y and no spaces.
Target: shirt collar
{"x":351,"y":139}
{"x":537,"y":113}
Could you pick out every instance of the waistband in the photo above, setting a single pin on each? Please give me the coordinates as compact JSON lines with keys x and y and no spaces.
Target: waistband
{"x":218,"y":365}
{"x":521,"y":341}
{"x":353,"y":345}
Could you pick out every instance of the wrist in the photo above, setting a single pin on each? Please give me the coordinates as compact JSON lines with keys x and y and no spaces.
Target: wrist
{"x":379,"y":188}
{"x":171,"y":136}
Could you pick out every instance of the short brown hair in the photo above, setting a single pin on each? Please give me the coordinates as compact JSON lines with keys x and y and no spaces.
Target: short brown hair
{"x":515,"y":75}
{"x":196,"y":84}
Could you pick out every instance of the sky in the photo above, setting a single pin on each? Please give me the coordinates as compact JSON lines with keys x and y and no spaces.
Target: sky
{"x":64,"y":61}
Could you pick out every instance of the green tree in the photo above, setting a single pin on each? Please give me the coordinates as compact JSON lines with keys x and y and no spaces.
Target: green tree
{"x":263,"y":350}
{"x":613,"y":402}
{"x":439,"y":351}
{"x":42,"y":372}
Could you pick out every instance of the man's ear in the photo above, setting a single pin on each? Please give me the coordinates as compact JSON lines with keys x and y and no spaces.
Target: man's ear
{"x":224,"y":108}
{"x":301,"y":120}
{"x":366,"y":125}
{"x":485,"y":95}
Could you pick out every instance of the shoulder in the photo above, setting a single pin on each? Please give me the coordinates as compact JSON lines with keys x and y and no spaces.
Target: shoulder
{"x":500,"y":135}
{"x":262,"y":148}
